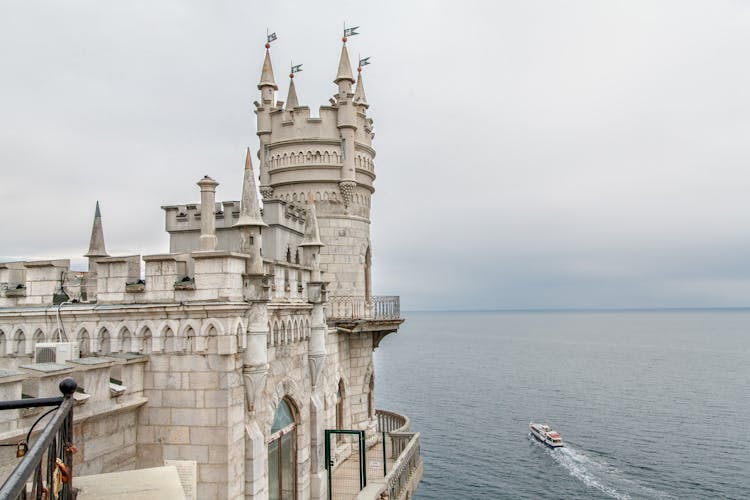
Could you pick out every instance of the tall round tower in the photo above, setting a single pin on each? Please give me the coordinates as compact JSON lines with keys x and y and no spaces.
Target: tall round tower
{"x":329,"y":158}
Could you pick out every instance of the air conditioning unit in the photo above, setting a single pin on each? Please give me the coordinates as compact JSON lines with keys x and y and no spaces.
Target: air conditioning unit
{"x":55,"y":352}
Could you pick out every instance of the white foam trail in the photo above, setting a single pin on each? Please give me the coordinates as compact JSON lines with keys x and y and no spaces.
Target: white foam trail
{"x":599,"y":475}
{"x":584,"y":469}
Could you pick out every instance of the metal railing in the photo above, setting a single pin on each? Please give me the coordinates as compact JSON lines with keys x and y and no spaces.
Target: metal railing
{"x":357,"y":307}
{"x":49,"y":461}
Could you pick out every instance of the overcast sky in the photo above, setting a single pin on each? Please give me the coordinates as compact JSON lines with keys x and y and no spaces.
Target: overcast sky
{"x":530,"y":154}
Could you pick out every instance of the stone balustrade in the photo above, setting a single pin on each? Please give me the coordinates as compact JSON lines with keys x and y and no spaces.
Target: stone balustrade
{"x":404,"y":475}
{"x":407,"y":471}
{"x":345,"y":307}
{"x":389,"y":421}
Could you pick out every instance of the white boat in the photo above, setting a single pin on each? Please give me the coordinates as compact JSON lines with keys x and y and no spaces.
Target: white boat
{"x":544,"y":434}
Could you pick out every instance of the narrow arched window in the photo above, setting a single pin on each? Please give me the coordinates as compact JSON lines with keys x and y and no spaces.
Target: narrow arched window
{"x":125,"y":340}
{"x":104,"y":345}
{"x":20,"y":347}
{"x":84,"y":343}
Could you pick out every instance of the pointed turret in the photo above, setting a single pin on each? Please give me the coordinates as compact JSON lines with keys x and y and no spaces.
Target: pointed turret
{"x":291,"y":98}
{"x":250,"y":208}
{"x":96,"y":244}
{"x":266,"y":75}
{"x":359,"y":95}
{"x":345,"y":66}
{"x":267,"y":87}
{"x":312,"y":231}
{"x":311,"y":242}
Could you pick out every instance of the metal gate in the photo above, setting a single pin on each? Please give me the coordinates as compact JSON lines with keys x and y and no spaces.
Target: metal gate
{"x":352,"y":474}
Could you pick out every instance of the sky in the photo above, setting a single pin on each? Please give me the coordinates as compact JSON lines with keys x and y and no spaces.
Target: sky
{"x":535,"y":154}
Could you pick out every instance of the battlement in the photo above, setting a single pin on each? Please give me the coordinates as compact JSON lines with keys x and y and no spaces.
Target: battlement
{"x":31,"y":282}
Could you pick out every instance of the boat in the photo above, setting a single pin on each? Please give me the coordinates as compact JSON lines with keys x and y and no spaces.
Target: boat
{"x":544,"y":434}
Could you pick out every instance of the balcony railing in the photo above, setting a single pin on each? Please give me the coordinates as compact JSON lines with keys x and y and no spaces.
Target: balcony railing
{"x":353,"y":307}
{"x":407,"y":468}
{"x":402,"y":452}
{"x":49,"y":461}
{"x":389,"y":421}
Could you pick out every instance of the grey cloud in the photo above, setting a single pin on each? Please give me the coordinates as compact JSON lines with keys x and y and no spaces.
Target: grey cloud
{"x":530,"y":154}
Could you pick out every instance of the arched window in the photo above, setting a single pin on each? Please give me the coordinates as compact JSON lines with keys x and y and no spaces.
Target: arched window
{"x":125,"y":340}
{"x":240,"y":337}
{"x":20,"y":347}
{"x":38,"y":337}
{"x":169,"y":340}
{"x":146,"y":345}
{"x":104,"y":344}
{"x":189,"y":339}
{"x":282,"y":454}
{"x":3,"y":343}
{"x":84,"y":343}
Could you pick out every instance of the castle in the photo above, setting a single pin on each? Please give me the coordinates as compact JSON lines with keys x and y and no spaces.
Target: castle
{"x":244,"y":343}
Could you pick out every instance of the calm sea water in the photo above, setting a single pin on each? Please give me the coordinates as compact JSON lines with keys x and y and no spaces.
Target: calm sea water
{"x":651,"y":404}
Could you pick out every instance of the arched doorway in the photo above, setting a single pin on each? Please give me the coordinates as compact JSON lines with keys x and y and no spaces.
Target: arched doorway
{"x":282,"y":454}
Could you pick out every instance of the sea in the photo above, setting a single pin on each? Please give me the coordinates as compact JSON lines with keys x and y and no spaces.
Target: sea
{"x":650,"y":404}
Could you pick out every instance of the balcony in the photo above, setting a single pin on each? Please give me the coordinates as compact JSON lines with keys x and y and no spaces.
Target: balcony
{"x":380,"y":315}
{"x":346,"y":307}
{"x":402,"y":460}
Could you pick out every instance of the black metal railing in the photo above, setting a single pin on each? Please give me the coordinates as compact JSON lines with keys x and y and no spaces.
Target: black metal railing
{"x":48,"y":462}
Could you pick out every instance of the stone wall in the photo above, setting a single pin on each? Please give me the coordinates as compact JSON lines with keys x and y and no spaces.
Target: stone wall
{"x":344,"y":256}
{"x":195,"y":412}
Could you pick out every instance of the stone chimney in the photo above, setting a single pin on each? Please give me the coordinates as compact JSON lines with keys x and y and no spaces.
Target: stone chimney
{"x":208,"y":218}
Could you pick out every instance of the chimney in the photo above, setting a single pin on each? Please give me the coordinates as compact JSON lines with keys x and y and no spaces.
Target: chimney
{"x":208,"y":218}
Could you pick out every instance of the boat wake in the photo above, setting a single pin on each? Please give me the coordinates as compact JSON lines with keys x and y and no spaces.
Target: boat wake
{"x":599,"y":475}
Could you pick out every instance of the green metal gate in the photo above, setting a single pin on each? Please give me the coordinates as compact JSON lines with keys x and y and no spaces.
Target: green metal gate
{"x":359,"y":439}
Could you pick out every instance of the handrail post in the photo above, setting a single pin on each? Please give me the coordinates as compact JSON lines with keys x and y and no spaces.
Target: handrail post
{"x":59,"y":426}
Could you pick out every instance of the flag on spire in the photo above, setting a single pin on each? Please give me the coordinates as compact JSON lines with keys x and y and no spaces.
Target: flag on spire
{"x":350,"y":31}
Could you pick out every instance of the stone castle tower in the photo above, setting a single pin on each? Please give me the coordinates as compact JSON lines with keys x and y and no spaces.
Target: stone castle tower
{"x":243,"y":348}
{"x":328,"y":159}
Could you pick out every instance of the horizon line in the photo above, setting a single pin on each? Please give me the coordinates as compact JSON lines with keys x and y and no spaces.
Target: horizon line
{"x":584,"y":309}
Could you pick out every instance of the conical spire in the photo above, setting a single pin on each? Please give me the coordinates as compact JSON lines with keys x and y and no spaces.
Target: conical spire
{"x":250,"y":208}
{"x":312,"y":231}
{"x":291,"y":98}
{"x":96,"y":245}
{"x":359,"y":94}
{"x":266,"y":75}
{"x":345,"y":66}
